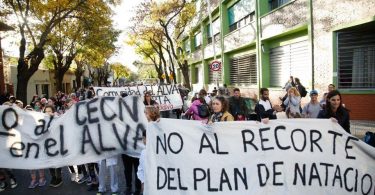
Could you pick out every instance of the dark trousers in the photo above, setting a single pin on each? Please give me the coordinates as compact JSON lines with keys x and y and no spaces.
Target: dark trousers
{"x":92,"y":167}
{"x":55,"y":173}
{"x":131,"y":167}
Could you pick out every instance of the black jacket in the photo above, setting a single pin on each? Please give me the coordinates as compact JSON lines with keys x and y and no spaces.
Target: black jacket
{"x":343,"y":119}
{"x":262,"y":113}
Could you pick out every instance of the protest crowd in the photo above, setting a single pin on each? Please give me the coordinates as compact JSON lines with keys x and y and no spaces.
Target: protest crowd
{"x":219,"y":105}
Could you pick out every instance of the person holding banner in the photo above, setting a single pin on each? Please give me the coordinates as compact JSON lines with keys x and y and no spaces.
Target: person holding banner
{"x":264,"y":108}
{"x":55,"y":172}
{"x":152,"y":114}
{"x":33,"y":173}
{"x":220,"y":107}
{"x":334,"y":110}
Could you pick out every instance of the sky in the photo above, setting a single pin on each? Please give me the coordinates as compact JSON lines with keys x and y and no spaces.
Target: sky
{"x":121,"y":18}
{"x":123,"y":14}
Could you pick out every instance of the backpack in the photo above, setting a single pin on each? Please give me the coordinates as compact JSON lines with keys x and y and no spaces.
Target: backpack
{"x":370,"y":138}
{"x":303,"y":91}
{"x":203,"y":110}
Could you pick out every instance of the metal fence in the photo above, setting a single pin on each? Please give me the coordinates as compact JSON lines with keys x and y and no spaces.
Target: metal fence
{"x":359,"y":127}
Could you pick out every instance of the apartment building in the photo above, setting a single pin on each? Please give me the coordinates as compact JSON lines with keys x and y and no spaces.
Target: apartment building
{"x":260,"y":43}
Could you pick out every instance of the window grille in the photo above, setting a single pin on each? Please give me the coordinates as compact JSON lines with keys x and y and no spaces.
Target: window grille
{"x":356,"y":58}
{"x":244,"y":70}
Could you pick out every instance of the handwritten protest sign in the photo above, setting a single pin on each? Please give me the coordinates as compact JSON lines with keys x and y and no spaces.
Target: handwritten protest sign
{"x":283,"y":157}
{"x":90,"y":131}
{"x":167,"y":96}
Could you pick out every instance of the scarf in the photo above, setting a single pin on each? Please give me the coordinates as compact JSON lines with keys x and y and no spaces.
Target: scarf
{"x":216,"y":117}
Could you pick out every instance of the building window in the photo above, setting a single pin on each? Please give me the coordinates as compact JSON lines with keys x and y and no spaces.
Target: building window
{"x":216,"y":31}
{"x":290,"y":60}
{"x":241,"y":14}
{"x":197,"y":40}
{"x":45,"y":90}
{"x":244,"y":70}
{"x":356,"y":57}
{"x":277,"y":3}
{"x":37,"y":89}
{"x":187,"y":46}
{"x":196,"y":74}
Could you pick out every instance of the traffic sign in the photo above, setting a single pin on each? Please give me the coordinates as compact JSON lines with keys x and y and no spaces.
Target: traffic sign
{"x":215,"y":66}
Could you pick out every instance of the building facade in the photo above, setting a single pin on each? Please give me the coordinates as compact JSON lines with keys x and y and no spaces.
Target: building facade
{"x":260,"y":43}
{"x":42,"y":82}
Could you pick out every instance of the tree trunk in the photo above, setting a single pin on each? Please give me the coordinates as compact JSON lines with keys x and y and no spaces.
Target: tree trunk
{"x":21,"y":93}
{"x":24,"y":71}
{"x":59,"y":76}
{"x":185,"y":74}
{"x":78,"y":74}
{"x":173,"y":70}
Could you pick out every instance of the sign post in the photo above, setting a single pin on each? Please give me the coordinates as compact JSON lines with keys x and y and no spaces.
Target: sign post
{"x":215,"y":67}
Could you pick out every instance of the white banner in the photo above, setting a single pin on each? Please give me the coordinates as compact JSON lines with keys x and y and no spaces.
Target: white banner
{"x":90,"y":131}
{"x":300,"y":156}
{"x":167,"y":96}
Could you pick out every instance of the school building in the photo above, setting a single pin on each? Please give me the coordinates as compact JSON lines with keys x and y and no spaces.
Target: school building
{"x":260,"y":43}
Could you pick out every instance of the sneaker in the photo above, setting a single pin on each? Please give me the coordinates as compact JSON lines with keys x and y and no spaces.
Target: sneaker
{"x":42,"y":182}
{"x":100,"y":193}
{"x":13,"y":183}
{"x":83,"y":179}
{"x":114,"y":193}
{"x":73,"y":177}
{"x":3,"y":185}
{"x":89,"y":180}
{"x":57,"y":183}
{"x":33,"y":184}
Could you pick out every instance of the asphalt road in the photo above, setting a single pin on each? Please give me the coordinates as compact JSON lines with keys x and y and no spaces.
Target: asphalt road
{"x":67,"y":188}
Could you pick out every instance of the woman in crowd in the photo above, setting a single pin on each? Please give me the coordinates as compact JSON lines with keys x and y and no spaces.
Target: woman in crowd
{"x":323,"y":101}
{"x":33,"y":173}
{"x":292,"y":103}
{"x":220,"y":108}
{"x":193,"y":110}
{"x":148,"y":101}
{"x":335,"y":111}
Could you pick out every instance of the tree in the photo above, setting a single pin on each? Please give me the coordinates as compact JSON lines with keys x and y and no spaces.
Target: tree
{"x":174,"y":16}
{"x":36,"y":20}
{"x":119,"y":71}
{"x":144,"y":47}
{"x":159,"y":27}
{"x":83,"y":30}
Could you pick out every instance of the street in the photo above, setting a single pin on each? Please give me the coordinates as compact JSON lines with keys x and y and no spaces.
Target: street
{"x":67,"y":188}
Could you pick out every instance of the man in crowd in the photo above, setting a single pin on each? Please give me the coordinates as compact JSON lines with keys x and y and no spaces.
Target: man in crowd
{"x":237,"y":105}
{"x":311,"y":110}
{"x":264,"y":109}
